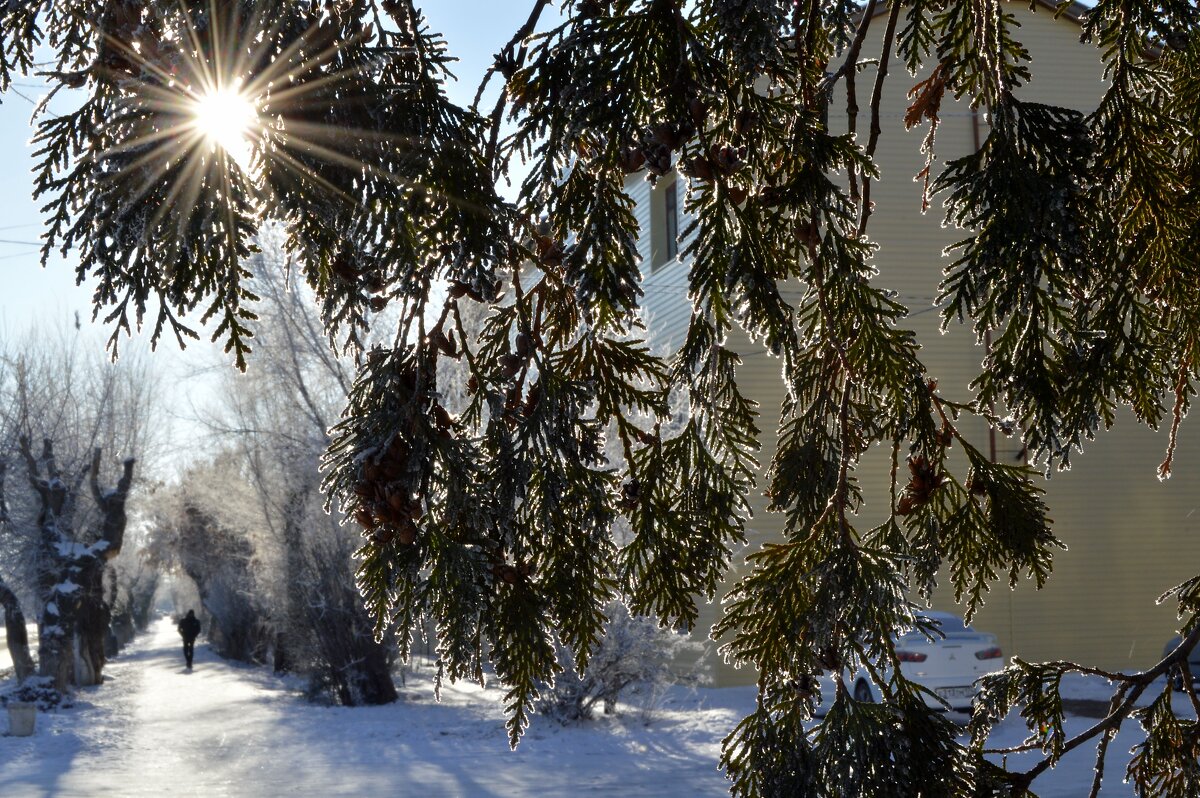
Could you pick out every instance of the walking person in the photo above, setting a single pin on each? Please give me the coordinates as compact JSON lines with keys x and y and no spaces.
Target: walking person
{"x":189,"y":630}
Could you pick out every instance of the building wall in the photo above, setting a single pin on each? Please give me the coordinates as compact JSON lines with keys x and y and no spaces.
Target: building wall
{"x":1129,"y":536}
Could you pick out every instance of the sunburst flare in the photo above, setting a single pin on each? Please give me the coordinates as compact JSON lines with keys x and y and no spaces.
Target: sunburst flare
{"x":208,"y":119}
{"x":227,"y":118}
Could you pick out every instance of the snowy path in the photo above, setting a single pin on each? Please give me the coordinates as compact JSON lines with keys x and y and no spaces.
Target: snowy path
{"x":153,"y":729}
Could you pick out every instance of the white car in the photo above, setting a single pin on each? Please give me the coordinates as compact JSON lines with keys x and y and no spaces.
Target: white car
{"x":946,"y":666}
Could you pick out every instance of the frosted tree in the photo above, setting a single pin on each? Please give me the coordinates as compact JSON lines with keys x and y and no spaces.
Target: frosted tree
{"x":130,"y":587}
{"x":1077,"y":259}
{"x":277,"y":416}
{"x":201,"y":528}
{"x":65,"y":520}
{"x":16,"y":636}
{"x":75,"y":616}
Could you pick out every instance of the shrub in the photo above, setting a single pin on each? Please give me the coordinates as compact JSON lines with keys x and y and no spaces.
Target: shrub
{"x":636,"y":657}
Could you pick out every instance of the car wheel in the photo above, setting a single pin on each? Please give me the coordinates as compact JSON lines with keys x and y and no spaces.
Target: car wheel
{"x":862,"y":692}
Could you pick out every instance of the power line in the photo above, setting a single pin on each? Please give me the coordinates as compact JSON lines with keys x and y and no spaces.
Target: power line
{"x":23,"y":96}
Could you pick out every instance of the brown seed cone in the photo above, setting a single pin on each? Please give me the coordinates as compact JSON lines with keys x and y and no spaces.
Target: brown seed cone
{"x":509,"y":574}
{"x":590,"y":9}
{"x":524,"y":345}
{"x":444,"y":342}
{"x":808,"y":233}
{"x":398,"y":449}
{"x":647,"y":438}
{"x":342,"y":267}
{"x":509,"y":366}
{"x":746,"y":121}
{"x":658,"y":159}
{"x":512,"y":400}
{"x":631,"y":160}
{"x":398,"y":502}
{"x":74,"y":80}
{"x":772,"y":196}
{"x":532,"y":399}
{"x":374,"y":283}
{"x":699,"y":167}
{"x":553,"y":257}
{"x":668,"y":134}
{"x":726,"y":159}
{"x":441,"y":418}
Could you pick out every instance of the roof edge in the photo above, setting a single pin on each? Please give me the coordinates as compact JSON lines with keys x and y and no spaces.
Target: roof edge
{"x":1075,"y":12}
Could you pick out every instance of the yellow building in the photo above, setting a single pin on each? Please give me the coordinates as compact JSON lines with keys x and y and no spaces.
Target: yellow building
{"x":1129,"y":536}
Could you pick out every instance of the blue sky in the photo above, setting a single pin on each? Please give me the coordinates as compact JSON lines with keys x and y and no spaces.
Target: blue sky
{"x":49,"y":298}
{"x":475,"y":29}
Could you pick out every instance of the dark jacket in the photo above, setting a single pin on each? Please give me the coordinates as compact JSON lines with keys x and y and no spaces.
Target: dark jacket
{"x":189,"y":628}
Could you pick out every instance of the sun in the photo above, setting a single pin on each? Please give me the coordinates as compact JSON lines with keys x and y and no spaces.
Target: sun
{"x":226,"y":118}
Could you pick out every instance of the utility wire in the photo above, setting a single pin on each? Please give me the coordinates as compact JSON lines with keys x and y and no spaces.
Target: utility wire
{"x":22,"y":95}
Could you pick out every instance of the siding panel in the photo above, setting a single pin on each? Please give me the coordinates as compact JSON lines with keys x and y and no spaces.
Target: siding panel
{"x":1129,"y":536}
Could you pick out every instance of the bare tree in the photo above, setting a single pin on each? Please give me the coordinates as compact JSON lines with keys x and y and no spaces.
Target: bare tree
{"x":202,"y":528}
{"x":131,"y":582}
{"x":278,"y":414}
{"x":75,"y":616}
{"x":17,"y":635}
{"x":64,"y":524}
{"x":14,"y":618}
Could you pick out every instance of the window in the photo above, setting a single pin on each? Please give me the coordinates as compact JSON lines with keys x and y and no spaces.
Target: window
{"x":662,"y":201}
{"x":671,"y":220}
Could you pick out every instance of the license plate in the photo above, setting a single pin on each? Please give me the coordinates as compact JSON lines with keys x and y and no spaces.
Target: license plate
{"x":950,"y":693}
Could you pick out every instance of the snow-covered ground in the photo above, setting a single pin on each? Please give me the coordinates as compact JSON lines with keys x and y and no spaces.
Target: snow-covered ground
{"x":223,"y":730}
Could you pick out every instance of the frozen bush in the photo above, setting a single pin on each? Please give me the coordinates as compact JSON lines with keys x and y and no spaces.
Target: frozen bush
{"x":635,"y":658}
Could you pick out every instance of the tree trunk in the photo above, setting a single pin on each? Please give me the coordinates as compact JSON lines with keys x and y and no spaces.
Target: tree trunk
{"x":56,"y":649}
{"x":14,"y":618}
{"x":375,"y":684}
{"x":357,"y":666}
{"x":75,"y":616}
{"x":91,"y":626}
{"x":18,"y":637}
{"x":94,"y":613}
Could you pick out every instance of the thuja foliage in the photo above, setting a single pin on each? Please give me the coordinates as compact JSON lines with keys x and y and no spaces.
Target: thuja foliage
{"x":1077,"y":261}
